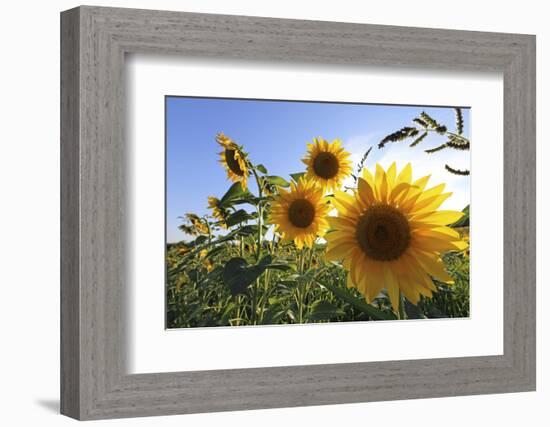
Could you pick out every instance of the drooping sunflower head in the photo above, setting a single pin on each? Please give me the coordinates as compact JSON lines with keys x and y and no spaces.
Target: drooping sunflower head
{"x":217,"y":211}
{"x":300,"y":213}
{"x":233,"y":160}
{"x":197,"y":224}
{"x":205,"y":261}
{"x":183,"y":249}
{"x":328,"y":164}
{"x":390,"y":234}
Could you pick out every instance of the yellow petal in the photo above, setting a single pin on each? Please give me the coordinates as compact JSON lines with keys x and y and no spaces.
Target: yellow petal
{"x":433,"y":265}
{"x":439,"y":217}
{"x":344,"y":203}
{"x":408,"y":289}
{"x":367,"y":176}
{"x":365,"y":192}
{"x":433,"y":191}
{"x":341,"y":223}
{"x":397,"y":192}
{"x":392,"y":285}
{"x":436,"y":244}
{"x":339,"y":251}
{"x":440,"y":232}
{"x":374,"y":280}
{"x":405,"y":175}
{"x":349,"y":282}
{"x":381,"y":183}
{"x":432,"y":204}
{"x":421,"y":182}
{"x":338,"y":235}
{"x":390,"y":176}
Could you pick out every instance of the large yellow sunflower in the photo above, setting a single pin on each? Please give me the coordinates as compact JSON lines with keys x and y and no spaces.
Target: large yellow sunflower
{"x":328,"y":164}
{"x":390,"y":234}
{"x":233,"y":159}
{"x":300,"y":213}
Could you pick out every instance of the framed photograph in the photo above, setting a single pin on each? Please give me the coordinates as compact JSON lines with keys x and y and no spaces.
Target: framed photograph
{"x":262,"y":213}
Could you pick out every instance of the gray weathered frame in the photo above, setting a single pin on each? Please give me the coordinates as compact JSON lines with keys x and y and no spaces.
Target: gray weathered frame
{"x":94,"y":41}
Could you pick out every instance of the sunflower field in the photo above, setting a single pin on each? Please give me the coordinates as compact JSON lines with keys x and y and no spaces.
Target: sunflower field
{"x":307,"y":249}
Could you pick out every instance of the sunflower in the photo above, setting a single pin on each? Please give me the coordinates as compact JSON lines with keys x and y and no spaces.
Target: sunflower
{"x":198,"y":226}
{"x":233,"y":159}
{"x":390,"y":234}
{"x":217,"y":211}
{"x":300,"y":213}
{"x":328,"y":164}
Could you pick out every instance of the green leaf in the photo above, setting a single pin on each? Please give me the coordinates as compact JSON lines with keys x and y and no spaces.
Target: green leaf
{"x":193,"y":275}
{"x":429,"y":120}
{"x":296,"y":176}
{"x":237,"y":217}
{"x":198,"y":241}
{"x":413,"y":311}
{"x":273,"y":314}
{"x":464,"y":221}
{"x":235,"y":191}
{"x":277,"y":180}
{"x":459,"y":120}
{"x":359,"y":304}
{"x":462,"y":172}
{"x":419,"y":139}
{"x":279,"y":266}
{"x":324,"y":310}
{"x":262,"y":169}
{"x":247,"y":230}
{"x":238,"y":274}
{"x":234,"y":275}
{"x":289,"y":283}
{"x":215,"y":251}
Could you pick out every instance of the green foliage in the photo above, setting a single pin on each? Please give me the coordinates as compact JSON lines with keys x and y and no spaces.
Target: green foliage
{"x":234,"y":193}
{"x":425,"y":124}
{"x":296,"y":176}
{"x":278,"y":181}
{"x":262,"y":169}
{"x":419,"y":139}
{"x":450,"y":300}
{"x":238,"y":275}
{"x":324,"y":310}
{"x":464,"y":172}
{"x":359,"y":303}
{"x":464,"y":221}
{"x":238,"y":217}
{"x":459,"y":122}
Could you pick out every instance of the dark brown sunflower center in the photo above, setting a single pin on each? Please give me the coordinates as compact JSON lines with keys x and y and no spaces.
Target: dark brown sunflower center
{"x":301,"y":213}
{"x":232,"y":162}
{"x":383,"y":233}
{"x":326,"y":165}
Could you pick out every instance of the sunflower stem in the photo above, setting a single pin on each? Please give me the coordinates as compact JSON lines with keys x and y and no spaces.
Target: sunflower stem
{"x":260,"y":214}
{"x":259,"y":250}
{"x":401,"y":313}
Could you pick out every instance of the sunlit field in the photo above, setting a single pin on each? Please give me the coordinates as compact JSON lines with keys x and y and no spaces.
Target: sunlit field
{"x":324,"y":229}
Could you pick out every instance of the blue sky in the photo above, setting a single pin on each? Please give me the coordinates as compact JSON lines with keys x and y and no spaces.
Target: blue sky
{"x":275,"y":134}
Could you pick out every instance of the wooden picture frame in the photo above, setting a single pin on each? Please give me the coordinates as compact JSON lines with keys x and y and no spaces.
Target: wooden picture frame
{"x":94,"y":382}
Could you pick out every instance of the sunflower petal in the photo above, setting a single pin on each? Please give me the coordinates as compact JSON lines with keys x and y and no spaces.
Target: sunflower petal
{"x":405,"y":175}
{"x":340,"y":251}
{"x":344,"y":203}
{"x":434,"y":266}
{"x":366,"y":192}
{"x":439,"y":217}
{"x":392,"y":285}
